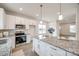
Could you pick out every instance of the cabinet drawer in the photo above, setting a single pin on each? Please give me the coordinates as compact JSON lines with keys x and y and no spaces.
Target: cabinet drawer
{"x":53,"y":52}
{"x":70,"y":54}
{"x":61,"y":52}
{"x":57,"y":51}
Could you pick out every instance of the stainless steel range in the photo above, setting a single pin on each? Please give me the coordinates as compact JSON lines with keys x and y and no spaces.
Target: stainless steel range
{"x":20,"y":38}
{"x":20,"y":34}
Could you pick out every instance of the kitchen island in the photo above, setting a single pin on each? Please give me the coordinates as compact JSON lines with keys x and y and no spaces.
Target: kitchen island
{"x":55,"y":47}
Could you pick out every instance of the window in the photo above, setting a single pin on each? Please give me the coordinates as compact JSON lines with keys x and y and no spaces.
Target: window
{"x":41,"y":29}
{"x":72,"y":28}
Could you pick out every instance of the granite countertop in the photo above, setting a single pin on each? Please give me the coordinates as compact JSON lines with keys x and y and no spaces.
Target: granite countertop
{"x":68,"y":45}
{"x":1,"y":38}
{"x":5,"y":47}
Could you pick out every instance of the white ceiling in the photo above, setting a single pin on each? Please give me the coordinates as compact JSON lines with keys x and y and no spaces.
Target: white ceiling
{"x":50,"y":10}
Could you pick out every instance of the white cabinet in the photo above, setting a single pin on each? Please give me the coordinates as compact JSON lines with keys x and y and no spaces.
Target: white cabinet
{"x":45,"y":49}
{"x":2,"y":18}
{"x":40,"y":48}
{"x":28,"y":38}
{"x":55,"y":51}
{"x":20,"y":20}
{"x":12,"y":39}
{"x":10,"y":22}
{"x":36,"y":46}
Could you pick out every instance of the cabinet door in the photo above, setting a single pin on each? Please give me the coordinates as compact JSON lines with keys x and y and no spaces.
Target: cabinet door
{"x":10,"y":22}
{"x":18,"y":20}
{"x":44,"y":49}
{"x":1,"y":18}
{"x":12,"y":39}
{"x":36,"y":46}
{"x":28,"y":38}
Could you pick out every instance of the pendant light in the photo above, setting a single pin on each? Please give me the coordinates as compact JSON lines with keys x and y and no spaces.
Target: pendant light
{"x":60,"y":15}
{"x":41,"y":22}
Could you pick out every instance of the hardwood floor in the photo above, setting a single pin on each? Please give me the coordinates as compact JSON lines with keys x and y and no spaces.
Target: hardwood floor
{"x":24,"y":50}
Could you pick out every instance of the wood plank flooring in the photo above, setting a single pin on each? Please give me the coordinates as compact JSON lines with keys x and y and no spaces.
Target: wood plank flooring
{"x":24,"y":50}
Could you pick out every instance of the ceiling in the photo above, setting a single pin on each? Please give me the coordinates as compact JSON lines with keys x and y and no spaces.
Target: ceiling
{"x":32,"y":10}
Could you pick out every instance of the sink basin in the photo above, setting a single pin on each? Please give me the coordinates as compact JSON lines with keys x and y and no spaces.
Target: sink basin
{"x":3,"y":41}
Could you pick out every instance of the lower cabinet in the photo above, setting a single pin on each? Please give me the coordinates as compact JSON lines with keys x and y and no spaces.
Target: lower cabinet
{"x":54,"y":51}
{"x":45,"y":49}
{"x":36,"y":46}
{"x":12,"y":39}
{"x":28,"y":38}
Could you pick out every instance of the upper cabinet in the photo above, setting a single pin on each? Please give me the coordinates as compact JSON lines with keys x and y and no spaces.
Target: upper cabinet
{"x":2,"y":18}
{"x":10,"y":23}
{"x":20,"y":20}
{"x":12,"y":20}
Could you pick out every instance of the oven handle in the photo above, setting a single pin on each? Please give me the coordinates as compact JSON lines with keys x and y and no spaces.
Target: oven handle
{"x":20,"y":35}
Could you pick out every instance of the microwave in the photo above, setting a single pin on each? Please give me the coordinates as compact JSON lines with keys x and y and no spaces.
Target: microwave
{"x":20,"y":26}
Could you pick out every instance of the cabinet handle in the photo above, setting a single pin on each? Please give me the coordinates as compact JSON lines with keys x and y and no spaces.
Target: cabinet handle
{"x":53,"y":48}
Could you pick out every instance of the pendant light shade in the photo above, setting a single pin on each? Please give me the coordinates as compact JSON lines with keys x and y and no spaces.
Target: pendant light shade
{"x":41,"y":22}
{"x":40,"y":25}
{"x":60,"y":15}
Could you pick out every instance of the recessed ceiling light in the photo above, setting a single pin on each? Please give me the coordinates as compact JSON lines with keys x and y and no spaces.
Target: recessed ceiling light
{"x":20,"y":9}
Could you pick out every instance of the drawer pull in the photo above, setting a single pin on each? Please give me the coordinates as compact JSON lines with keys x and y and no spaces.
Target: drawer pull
{"x":53,"y":48}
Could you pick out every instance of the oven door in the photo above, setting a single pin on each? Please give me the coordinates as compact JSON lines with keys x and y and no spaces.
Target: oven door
{"x":20,"y":39}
